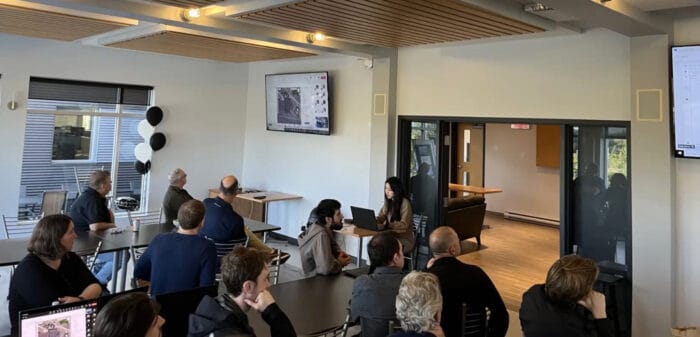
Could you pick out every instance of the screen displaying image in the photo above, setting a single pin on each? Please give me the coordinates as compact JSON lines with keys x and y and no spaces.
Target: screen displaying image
{"x":64,"y":321}
{"x":298,"y":103}
{"x":685,"y":67}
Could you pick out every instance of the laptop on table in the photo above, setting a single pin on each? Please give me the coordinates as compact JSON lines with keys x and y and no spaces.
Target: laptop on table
{"x":364,"y":218}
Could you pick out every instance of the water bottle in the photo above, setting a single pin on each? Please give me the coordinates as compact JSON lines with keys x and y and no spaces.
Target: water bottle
{"x":137,"y":225}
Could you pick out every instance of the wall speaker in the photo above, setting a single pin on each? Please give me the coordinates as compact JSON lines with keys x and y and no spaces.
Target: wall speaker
{"x":649,"y":105}
{"x":379,"y":105}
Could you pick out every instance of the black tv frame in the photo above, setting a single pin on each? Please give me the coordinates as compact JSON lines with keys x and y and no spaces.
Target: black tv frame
{"x":329,"y":90}
{"x":672,"y":114}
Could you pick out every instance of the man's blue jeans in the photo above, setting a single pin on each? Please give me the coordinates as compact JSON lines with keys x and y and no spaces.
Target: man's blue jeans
{"x":103,"y":267}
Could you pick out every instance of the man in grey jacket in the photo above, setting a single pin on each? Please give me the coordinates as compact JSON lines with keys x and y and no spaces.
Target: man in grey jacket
{"x":316,"y":245}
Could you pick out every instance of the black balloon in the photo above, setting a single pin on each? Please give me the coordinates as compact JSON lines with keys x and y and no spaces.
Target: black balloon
{"x":142,"y":167}
{"x":157,"y":141}
{"x":154,"y":115}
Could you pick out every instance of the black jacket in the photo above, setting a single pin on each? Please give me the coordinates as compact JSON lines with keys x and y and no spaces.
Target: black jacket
{"x":540,"y":317}
{"x":465,"y":283}
{"x":223,"y":317}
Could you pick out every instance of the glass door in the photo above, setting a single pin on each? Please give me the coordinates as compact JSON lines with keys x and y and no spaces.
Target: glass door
{"x":597,"y":210}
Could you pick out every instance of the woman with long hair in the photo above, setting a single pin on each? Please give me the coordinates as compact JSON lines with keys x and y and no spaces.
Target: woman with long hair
{"x":397,"y":213}
{"x":50,"y":272}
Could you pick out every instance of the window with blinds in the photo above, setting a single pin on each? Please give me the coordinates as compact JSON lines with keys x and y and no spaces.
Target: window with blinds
{"x":74,"y":128}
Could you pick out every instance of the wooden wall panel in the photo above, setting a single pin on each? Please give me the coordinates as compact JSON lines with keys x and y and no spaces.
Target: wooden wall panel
{"x":548,"y":145}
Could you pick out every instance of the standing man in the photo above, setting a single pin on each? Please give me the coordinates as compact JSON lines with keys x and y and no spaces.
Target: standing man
{"x":245,"y":275}
{"x":176,"y":195}
{"x":463,"y":283}
{"x":315,"y":246}
{"x":90,"y":213}
{"x":181,"y":260}
{"x":374,"y":295}
{"x":224,"y":224}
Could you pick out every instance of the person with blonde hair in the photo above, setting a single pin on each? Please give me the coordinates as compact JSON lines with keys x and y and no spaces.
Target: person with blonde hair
{"x":566,"y":305}
{"x":419,"y":306}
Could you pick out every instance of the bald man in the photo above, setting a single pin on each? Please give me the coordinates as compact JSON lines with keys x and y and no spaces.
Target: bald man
{"x":222,"y":224}
{"x":463,"y":283}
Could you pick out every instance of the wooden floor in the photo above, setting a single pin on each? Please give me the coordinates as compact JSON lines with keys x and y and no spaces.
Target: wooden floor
{"x":514,"y":254}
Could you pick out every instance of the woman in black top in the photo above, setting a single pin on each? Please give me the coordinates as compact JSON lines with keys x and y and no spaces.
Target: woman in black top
{"x":130,"y":315}
{"x":50,"y":272}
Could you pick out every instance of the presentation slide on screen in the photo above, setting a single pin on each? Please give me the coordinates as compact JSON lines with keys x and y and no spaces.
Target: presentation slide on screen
{"x":62,"y":324}
{"x":297,"y":101}
{"x":686,"y":100}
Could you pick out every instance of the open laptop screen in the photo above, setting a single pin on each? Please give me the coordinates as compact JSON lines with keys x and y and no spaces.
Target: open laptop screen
{"x":72,"y":319}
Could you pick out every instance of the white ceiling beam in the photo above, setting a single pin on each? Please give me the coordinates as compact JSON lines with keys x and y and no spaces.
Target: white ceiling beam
{"x":123,"y":34}
{"x":255,"y":5}
{"x":170,"y":16}
{"x":514,"y":10}
{"x":616,"y":15}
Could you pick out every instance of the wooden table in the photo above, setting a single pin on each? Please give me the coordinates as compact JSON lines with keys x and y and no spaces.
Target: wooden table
{"x":313,"y":305}
{"x":360,"y":234}
{"x":473,"y":189}
{"x":247,"y":201}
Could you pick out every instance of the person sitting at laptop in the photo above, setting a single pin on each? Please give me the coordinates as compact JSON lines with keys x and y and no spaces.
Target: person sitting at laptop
{"x":180,"y":260}
{"x":129,"y":315}
{"x":315,"y":246}
{"x":374,"y":295}
{"x":397,"y":213}
{"x":50,"y":272}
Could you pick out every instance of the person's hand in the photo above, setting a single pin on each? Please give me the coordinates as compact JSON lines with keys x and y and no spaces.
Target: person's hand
{"x":437,"y":331}
{"x":344,"y":260}
{"x":342,"y":253}
{"x":261,"y":302}
{"x":68,"y":299}
{"x":595,"y":302}
{"x":430,"y":262}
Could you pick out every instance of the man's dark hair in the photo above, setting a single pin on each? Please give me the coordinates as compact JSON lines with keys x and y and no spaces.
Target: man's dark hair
{"x":190,"y":214}
{"x":231,"y":190}
{"x":126,"y":316}
{"x":382,"y":247}
{"x":326,"y":208}
{"x":47,"y":234}
{"x":240,"y":265}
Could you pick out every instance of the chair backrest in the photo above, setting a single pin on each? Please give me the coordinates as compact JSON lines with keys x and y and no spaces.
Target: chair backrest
{"x":419,"y":223}
{"x":53,"y":202}
{"x":15,"y":229}
{"x":223,"y":248}
{"x":150,"y":218}
{"x":475,"y":321}
{"x":90,"y":256}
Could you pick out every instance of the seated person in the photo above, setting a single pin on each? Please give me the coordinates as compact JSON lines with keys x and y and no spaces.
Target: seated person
{"x":176,"y":195}
{"x":179,"y":260}
{"x":418,"y":306}
{"x":245,"y":275}
{"x":50,"y":272}
{"x":129,"y":315}
{"x":374,"y":295}
{"x":315,"y":246}
{"x":223,"y":224}
{"x":313,"y":217}
{"x":463,"y":283}
{"x":397,"y":213}
{"x":566,"y":305}
{"x":90,"y":212}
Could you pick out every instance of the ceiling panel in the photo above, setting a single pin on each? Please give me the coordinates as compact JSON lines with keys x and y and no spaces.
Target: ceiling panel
{"x":197,"y":46}
{"x":49,"y":25}
{"x":188,"y":3}
{"x":392,"y":23}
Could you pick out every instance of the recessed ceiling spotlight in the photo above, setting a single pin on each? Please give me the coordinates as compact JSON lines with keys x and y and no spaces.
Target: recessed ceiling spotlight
{"x":312,"y":37}
{"x":190,"y":14}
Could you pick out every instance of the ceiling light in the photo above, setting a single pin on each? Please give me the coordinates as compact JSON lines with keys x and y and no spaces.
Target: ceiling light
{"x":312,"y":37}
{"x":190,"y":14}
{"x":535,"y":7}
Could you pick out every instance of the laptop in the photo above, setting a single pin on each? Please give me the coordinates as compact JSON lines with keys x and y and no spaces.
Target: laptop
{"x":364,"y":218}
{"x":72,"y":319}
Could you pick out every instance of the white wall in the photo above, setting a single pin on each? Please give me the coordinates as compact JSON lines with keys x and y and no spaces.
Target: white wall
{"x":687,"y":212}
{"x":313,"y":166}
{"x":510,"y":165}
{"x":204,"y":104}
{"x":582,"y":76}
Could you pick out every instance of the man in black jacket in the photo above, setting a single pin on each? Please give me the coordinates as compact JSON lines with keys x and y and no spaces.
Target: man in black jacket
{"x":245,"y":275}
{"x":463,"y":283}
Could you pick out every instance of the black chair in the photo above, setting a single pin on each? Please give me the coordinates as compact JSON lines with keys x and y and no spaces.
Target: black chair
{"x":475,"y":321}
{"x":176,"y":308}
{"x":224,"y":248}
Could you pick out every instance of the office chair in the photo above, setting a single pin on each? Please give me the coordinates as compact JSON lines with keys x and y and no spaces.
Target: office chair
{"x":14,"y":229}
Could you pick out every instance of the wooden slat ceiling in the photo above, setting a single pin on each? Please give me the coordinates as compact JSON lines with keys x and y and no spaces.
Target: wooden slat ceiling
{"x":392,"y":23}
{"x":49,"y":25}
{"x":188,"y":3}
{"x":197,"y":46}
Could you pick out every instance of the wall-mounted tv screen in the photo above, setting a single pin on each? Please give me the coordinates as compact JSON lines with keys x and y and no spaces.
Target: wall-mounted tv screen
{"x":685,"y":88}
{"x":298,"y":103}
